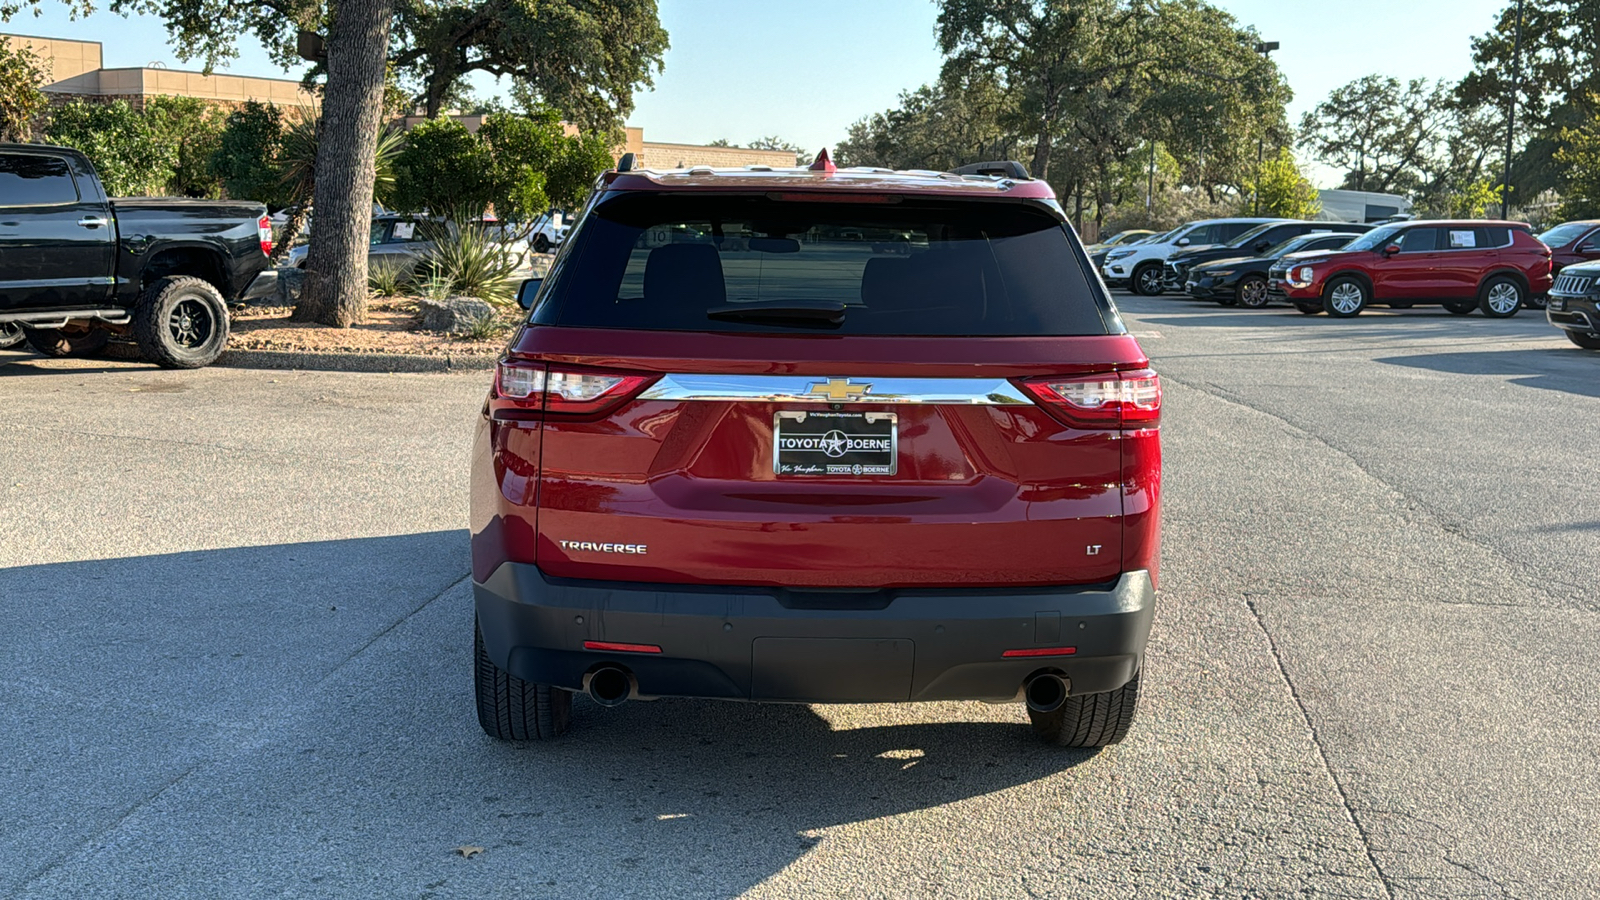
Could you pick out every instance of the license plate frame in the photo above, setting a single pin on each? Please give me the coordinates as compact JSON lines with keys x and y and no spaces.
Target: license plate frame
{"x":823,"y":449}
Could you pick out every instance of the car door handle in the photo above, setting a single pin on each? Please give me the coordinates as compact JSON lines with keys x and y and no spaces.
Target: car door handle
{"x":94,"y":221}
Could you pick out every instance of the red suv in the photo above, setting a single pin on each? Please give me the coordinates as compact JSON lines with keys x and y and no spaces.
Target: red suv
{"x":1489,"y":265}
{"x":818,"y":435}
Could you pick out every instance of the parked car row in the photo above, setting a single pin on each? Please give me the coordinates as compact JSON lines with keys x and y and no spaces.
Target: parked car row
{"x":1492,"y":266}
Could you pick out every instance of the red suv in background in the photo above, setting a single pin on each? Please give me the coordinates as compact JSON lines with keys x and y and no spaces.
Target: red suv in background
{"x":1571,"y":243}
{"x":818,"y":435}
{"x":1493,"y":266}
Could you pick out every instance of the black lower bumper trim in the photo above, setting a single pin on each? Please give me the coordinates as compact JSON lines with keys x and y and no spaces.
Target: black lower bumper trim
{"x":744,"y":644}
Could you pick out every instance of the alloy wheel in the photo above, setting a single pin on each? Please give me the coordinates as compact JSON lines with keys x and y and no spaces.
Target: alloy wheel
{"x":1150,"y":281}
{"x":1504,"y":297}
{"x":190,"y":323}
{"x":1253,"y":293}
{"x":1346,"y":298}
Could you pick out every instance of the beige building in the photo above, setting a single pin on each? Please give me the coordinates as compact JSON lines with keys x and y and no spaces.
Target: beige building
{"x":75,"y":71}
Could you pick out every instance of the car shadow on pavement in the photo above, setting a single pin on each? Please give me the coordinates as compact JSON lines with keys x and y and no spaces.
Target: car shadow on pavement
{"x":300,"y":717}
{"x":1572,"y":370}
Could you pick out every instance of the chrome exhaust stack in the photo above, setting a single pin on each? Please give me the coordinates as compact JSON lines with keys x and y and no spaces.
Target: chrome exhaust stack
{"x":609,"y":686}
{"x":1045,"y":692}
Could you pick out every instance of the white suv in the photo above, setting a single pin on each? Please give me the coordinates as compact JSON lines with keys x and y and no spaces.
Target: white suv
{"x":1140,"y":265}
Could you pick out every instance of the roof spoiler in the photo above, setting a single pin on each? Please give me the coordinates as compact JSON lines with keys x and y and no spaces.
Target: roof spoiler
{"x":1001,"y":169}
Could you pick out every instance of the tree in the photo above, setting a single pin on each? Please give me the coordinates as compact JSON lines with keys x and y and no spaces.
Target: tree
{"x":517,"y":164}
{"x":164,"y":149}
{"x":246,"y":159}
{"x":21,"y":75}
{"x":335,"y":291}
{"x":1379,"y":131}
{"x":1558,"y":83}
{"x":1580,"y":156}
{"x":773,"y":142}
{"x":584,"y":57}
{"x":937,"y":127}
{"x":1283,"y":191}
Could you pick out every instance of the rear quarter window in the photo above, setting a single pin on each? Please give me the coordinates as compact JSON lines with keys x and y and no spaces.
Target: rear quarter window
{"x":663,"y":261}
{"x":30,"y":180}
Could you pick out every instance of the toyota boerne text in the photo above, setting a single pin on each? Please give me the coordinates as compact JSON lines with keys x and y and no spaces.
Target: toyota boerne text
{"x":818,"y":435}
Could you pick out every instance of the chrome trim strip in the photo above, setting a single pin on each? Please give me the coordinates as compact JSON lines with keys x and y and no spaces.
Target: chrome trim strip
{"x":798,"y":389}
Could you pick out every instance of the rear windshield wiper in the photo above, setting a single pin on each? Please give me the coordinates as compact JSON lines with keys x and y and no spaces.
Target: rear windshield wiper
{"x":808,"y":313}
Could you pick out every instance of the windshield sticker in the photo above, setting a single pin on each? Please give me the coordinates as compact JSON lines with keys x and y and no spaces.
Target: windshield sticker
{"x":403,"y":231}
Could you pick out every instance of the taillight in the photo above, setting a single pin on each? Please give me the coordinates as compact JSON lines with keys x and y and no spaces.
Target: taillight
{"x":530,"y":390}
{"x":1128,"y":400}
{"x":264,"y":232}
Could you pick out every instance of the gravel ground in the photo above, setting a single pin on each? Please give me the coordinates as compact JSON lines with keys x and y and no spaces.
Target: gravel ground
{"x":235,"y":661}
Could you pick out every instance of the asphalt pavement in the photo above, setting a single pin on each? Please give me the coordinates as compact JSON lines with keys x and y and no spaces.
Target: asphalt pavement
{"x":235,"y":659}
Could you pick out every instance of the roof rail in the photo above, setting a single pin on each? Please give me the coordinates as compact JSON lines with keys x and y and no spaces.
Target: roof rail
{"x":1001,"y":168}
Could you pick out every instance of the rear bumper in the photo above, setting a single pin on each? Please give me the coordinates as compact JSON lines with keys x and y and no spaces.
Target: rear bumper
{"x":265,"y":284}
{"x":778,"y":645}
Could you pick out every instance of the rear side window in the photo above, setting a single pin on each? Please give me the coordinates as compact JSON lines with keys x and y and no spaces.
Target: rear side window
{"x":27,"y":180}
{"x":1418,"y":240}
{"x":701,"y":262}
{"x":1498,"y":235}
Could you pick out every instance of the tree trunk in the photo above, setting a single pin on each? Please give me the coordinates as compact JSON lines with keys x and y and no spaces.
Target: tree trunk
{"x":1041,"y":155}
{"x":335,"y":291}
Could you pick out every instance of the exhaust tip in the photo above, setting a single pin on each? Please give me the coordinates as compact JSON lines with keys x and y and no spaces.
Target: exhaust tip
{"x":1045,"y":693}
{"x":610,"y":686}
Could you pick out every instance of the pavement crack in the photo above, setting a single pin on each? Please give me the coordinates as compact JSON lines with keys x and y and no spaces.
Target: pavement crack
{"x":1322,"y":753}
{"x":391,"y":627}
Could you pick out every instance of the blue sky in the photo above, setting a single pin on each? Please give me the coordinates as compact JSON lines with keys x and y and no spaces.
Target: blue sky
{"x":806,"y":69}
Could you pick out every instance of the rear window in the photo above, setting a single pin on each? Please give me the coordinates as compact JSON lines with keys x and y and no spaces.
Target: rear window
{"x":704,"y":262}
{"x":27,"y":180}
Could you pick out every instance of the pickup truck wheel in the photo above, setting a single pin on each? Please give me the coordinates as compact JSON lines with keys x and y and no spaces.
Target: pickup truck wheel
{"x":59,"y":342}
{"x":1092,"y":720}
{"x":1344,"y":298}
{"x":181,"y":323}
{"x":1586,"y":341}
{"x":1460,"y":307}
{"x":11,"y":335}
{"x":1252,"y":292}
{"x":1500,"y":297}
{"x":541,"y":244}
{"x":1309,"y":309}
{"x":1146,"y":280}
{"x":512,"y":709}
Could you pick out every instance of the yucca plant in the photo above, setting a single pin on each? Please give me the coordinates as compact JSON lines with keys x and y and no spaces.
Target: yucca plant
{"x":485,"y":328}
{"x":387,"y":279}
{"x":472,"y":263}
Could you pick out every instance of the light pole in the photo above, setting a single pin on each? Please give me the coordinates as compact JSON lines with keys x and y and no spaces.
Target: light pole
{"x":1264,"y":48}
{"x":1511,"y":115}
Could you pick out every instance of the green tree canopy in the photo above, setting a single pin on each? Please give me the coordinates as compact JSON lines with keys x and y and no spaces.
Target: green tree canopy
{"x":21,"y":75}
{"x":246,"y":160}
{"x":1581,"y":156}
{"x":520,"y":165}
{"x":1282,"y":190}
{"x":586,"y":58}
{"x":164,"y":149}
{"x":938,"y":126}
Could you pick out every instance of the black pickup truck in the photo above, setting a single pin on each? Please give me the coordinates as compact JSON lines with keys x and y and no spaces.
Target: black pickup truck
{"x":78,"y":269}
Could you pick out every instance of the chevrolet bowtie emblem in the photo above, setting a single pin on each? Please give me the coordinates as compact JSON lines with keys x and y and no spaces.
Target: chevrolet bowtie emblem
{"x":838,"y":389}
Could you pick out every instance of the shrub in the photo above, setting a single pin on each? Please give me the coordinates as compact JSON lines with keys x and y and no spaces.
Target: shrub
{"x":472,"y":264}
{"x":387,"y":279}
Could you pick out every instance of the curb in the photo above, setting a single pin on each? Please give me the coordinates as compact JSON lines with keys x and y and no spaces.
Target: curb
{"x":354,"y":362}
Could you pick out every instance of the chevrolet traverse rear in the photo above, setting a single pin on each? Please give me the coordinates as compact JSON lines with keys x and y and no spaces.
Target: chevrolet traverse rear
{"x":818,"y":436}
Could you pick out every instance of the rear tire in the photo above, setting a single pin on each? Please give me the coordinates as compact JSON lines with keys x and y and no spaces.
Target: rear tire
{"x":1460,"y":307}
{"x":511,"y":709}
{"x":1252,"y":292}
{"x":181,"y":323}
{"x":1501,"y":297}
{"x":1345,"y":298}
{"x":541,"y":244}
{"x":11,"y":335}
{"x":1309,"y":309}
{"x":1586,"y":341}
{"x":61,"y":342}
{"x":1092,"y":720}
{"x":1146,"y":280}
